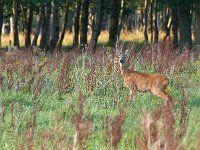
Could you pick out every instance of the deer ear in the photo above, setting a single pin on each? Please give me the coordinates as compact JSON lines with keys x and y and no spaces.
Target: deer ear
{"x":118,"y":52}
{"x":127,"y":52}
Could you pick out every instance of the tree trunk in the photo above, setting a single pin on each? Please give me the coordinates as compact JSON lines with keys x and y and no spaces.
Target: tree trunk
{"x":59,"y":44}
{"x":151,"y":20}
{"x":11,"y":26}
{"x":45,"y":26}
{"x":156,"y":24}
{"x":135,"y":21}
{"x":91,"y":19}
{"x":175,"y":24}
{"x":1,"y":18}
{"x":197,"y":23}
{"x":130,"y":23}
{"x":84,"y":22}
{"x":39,"y":23}
{"x":70,"y":21}
{"x":184,"y":24}
{"x":122,"y":14}
{"x":15,"y":23}
{"x":141,"y":20}
{"x":98,"y":23}
{"x":167,"y":23}
{"x":55,"y":28}
{"x":114,"y":22}
{"x":76,"y":24}
{"x":146,"y":22}
{"x":4,"y":28}
{"x":28,"y":25}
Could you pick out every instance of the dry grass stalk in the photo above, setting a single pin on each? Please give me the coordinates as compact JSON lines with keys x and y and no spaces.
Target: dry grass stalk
{"x":3,"y":112}
{"x":12,"y":121}
{"x":45,"y":137}
{"x":107,"y":131}
{"x":183,"y":112}
{"x":152,"y":135}
{"x":198,"y":146}
{"x":141,"y":143}
{"x":81,"y":103}
{"x":10,"y":79}
{"x":169,"y":126}
{"x":82,"y":125}
{"x":165,"y":58}
{"x":1,"y":80}
{"x":183,"y":118}
{"x":116,"y":129}
{"x":29,"y":137}
{"x":21,"y":147}
{"x":64,"y":81}
{"x":153,"y":130}
{"x":58,"y":144}
{"x":91,"y":78}
{"x":83,"y":129}
{"x":113,"y":128}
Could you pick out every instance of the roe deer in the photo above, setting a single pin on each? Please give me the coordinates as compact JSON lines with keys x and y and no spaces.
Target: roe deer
{"x":138,"y":81}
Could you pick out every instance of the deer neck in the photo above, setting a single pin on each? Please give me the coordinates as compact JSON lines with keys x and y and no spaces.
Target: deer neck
{"x":125,"y":69}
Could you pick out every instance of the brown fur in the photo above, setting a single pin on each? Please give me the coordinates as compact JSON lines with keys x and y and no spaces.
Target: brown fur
{"x":137,"y":81}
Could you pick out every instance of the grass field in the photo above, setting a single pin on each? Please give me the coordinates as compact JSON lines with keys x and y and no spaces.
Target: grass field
{"x":53,"y":102}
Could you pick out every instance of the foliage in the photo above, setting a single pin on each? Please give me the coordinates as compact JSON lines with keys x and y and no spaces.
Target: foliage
{"x":79,"y":100}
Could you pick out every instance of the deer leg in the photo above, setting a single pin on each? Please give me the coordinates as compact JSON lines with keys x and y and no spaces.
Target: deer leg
{"x":133,"y":92}
{"x":163,"y":95}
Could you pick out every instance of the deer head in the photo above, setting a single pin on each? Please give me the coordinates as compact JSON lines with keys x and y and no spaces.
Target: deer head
{"x":124,"y":61}
{"x":123,"y":58}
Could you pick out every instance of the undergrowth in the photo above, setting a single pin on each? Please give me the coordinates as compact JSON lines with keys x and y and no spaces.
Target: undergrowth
{"x":78,"y":100}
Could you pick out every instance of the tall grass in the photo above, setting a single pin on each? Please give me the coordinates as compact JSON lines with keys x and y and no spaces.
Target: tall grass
{"x":72,"y":100}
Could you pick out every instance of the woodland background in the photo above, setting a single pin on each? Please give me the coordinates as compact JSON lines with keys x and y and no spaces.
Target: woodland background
{"x":60,"y":83}
{"x":50,"y":19}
